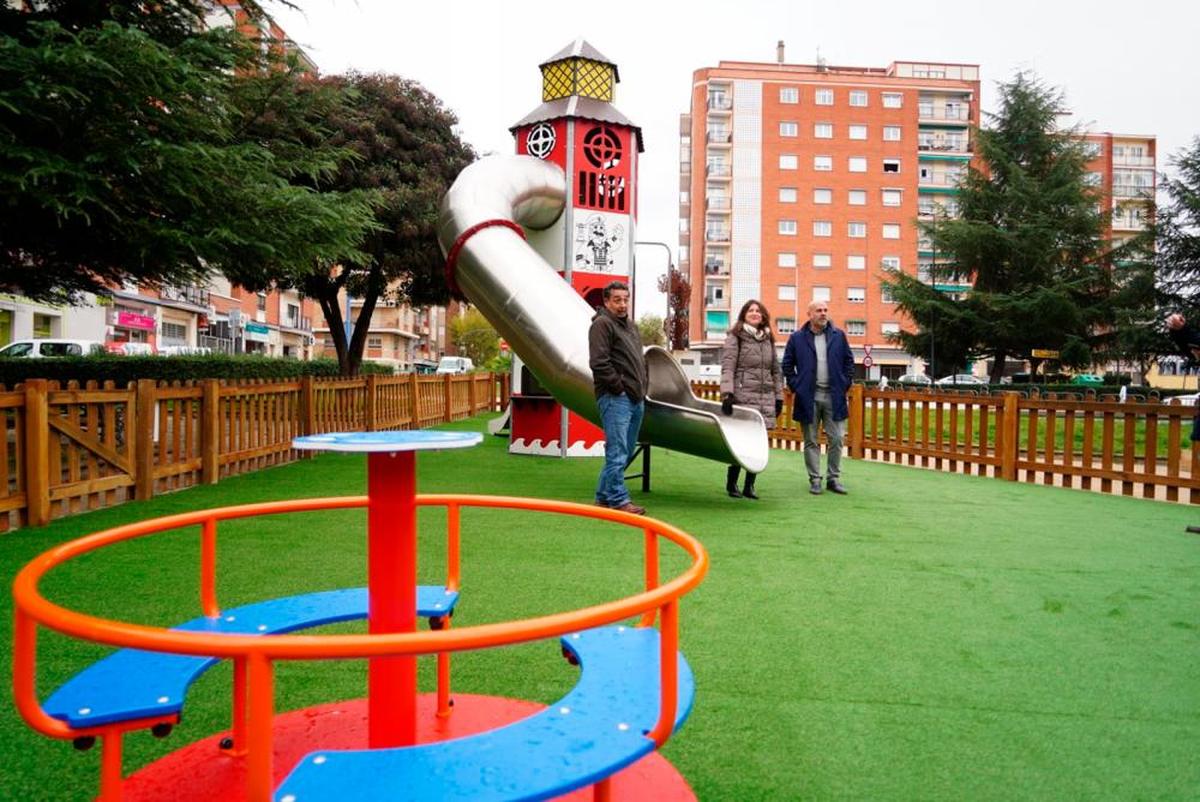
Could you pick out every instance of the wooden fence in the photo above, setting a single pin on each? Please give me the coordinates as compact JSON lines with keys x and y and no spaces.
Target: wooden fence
{"x":1132,"y":448}
{"x":72,"y":449}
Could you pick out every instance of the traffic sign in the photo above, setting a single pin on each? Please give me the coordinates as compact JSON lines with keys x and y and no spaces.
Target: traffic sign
{"x":867,"y":362}
{"x":867,"y":350}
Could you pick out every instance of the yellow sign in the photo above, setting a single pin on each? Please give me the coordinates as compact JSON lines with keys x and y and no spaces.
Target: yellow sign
{"x":1038,"y":353}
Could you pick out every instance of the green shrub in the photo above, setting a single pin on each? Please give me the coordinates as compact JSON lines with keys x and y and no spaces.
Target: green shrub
{"x":124,"y":369}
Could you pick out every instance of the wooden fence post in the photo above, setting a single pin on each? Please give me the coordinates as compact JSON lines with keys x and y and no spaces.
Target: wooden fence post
{"x":308,"y":409}
{"x":857,"y":410}
{"x":210,"y":432}
{"x":371,"y":422}
{"x":471,"y":379}
{"x":414,"y":388}
{"x":143,"y":454}
{"x":37,"y":453}
{"x":448,"y":385}
{"x":1009,"y":444}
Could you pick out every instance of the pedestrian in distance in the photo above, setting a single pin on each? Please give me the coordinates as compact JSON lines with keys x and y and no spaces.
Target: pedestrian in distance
{"x":620,"y":381}
{"x":750,"y":376}
{"x":818,"y":366}
{"x":1187,"y":339}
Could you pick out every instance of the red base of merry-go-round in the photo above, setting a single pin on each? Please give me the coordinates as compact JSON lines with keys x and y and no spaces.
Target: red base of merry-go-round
{"x":202,"y":772}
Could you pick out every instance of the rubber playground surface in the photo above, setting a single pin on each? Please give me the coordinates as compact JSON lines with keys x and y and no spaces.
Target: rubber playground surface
{"x":928,"y":636}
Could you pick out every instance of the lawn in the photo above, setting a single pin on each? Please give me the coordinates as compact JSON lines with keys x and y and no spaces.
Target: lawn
{"x":928,"y":636}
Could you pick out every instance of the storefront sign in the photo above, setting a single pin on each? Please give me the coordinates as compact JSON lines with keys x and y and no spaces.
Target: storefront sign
{"x":258,"y":332}
{"x":132,"y":320}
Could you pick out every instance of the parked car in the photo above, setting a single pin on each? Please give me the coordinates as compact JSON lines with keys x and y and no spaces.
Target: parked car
{"x":454,"y":365}
{"x":1087,"y":378}
{"x":1188,"y":400}
{"x":44,"y":349}
{"x":915,"y":378}
{"x":960,"y":379}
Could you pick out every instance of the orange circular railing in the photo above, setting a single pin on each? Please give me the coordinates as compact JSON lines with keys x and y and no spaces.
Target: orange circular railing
{"x":256,"y":652}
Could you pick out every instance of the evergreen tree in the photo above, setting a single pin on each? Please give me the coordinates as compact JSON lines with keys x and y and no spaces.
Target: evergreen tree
{"x":1028,"y":237}
{"x":1178,"y":235}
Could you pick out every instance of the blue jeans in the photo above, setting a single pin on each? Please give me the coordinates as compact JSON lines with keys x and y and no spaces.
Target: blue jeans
{"x":621,"y":419}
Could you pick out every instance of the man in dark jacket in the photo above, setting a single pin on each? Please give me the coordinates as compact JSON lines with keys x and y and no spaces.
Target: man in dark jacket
{"x":619,"y":376}
{"x":1188,"y":340}
{"x":819,"y":366}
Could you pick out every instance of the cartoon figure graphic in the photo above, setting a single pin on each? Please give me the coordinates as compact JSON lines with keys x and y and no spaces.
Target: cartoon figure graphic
{"x":599,"y":246}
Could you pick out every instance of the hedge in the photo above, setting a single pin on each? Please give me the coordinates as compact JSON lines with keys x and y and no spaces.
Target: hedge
{"x":124,"y":369}
{"x":1083,"y":390}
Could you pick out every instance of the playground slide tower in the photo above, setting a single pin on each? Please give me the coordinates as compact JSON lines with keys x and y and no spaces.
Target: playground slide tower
{"x":532,"y":240}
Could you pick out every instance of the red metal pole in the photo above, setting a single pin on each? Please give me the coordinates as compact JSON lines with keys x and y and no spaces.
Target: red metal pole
{"x":392,"y":589}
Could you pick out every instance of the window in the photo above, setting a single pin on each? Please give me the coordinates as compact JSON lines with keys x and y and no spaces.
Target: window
{"x":176,"y":332}
{"x":891,"y":133}
{"x":856,"y":295}
{"x":858,"y":98}
{"x":292,"y":318}
{"x":885,"y":295}
{"x":824,"y":97}
{"x":375,"y":342}
{"x":858,"y":197}
{"x":858,"y":132}
{"x":789,"y":94}
{"x":785,"y":325}
{"x":893,"y":100}
{"x":823,"y":130}
{"x":787,"y":228}
{"x":857,"y":164}
{"x":890,"y":263}
{"x":822,"y":261}
{"x":788,"y":129}
{"x":822,"y":228}
{"x":683,"y":197}
{"x":820,"y":293}
{"x":856,"y":328}
{"x":891,"y":231}
{"x":787,"y":259}
{"x":891,"y":165}
{"x":891,"y":197}
{"x":787,"y":161}
{"x":787,"y":292}
{"x":43,"y":326}
{"x":683,"y":225}
{"x":857,"y":230}
{"x":856,"y":261}
{"x":822,"y":196}
{"x":822,"y":163}
{"x":890,"y":328}
{"x":787,"y":194}
{"x":262,"y":302}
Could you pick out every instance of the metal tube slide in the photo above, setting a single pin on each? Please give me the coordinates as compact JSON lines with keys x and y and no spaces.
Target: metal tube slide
{"x":546,"y":322}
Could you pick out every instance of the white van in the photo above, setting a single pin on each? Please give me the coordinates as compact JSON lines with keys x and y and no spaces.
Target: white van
{"x":455,"y":364}
{"x":48,"y":348}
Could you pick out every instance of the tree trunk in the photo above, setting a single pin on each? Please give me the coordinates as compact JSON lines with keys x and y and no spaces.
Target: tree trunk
{"x":337,"y":328}
{"x":999,"y":359}
{"x":362,"y":324}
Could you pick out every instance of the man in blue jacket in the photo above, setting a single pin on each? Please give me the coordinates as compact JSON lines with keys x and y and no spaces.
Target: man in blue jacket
{"x":819,"y":366}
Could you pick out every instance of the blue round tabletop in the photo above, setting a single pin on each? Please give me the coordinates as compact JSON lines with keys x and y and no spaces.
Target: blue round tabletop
{"x":367,"y":442}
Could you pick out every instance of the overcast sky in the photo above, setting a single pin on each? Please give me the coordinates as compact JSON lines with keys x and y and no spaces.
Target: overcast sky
{"x":1125,"y":67}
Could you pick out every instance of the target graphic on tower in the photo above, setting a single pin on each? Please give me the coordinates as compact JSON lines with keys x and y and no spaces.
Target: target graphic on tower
{"x":578,"y":128}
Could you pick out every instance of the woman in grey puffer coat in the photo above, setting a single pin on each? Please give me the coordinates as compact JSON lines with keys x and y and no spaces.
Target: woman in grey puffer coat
{"x":750,"y":376}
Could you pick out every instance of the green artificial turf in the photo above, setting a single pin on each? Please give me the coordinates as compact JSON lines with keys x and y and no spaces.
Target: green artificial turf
{"x":928,"y":636}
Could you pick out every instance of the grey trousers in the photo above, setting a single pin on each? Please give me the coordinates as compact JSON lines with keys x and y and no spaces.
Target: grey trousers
{"x":835,"y":433}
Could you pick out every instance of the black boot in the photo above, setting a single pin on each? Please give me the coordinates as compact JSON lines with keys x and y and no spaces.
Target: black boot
{"x":731,"y":477}
{"x":748,"y":490}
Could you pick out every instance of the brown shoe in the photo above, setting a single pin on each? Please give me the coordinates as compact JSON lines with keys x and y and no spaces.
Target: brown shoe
{"x":629,"y":506}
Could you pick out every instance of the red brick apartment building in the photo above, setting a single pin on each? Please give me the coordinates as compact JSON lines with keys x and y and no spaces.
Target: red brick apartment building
{"x":801,"y":182}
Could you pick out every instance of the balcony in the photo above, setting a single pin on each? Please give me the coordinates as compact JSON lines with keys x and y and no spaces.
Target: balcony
{"x":939,"y":180}
{"x":196,"y":296}
{"x":1132,"y":191}
{"x":718,"y":170}
{"x":942,"y":113}
{"x":1133,"y":161}
{"x":712,"y":302}
{"x":951,"y":146}
{"x":719,"y":137}
{"x":720,"y":103}
{"x":716,"y":269}
{"x":715,"y":234}
{"x":297,"y":322}
{"x":717,"y":203}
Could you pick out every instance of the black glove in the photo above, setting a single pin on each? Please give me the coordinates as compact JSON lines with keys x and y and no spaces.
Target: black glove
{"x":778,"y":407}
{"x":727,"y":404}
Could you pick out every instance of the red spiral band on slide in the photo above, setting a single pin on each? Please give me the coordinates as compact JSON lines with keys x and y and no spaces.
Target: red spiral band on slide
{"x":452,"y":256}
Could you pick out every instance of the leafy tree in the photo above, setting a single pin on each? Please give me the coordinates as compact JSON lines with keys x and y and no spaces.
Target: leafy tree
{"x":407,"y":156}
{"x":678,"y":289}
{"x":1178,"y":234}
{"x":124,"y":154}
{"x":650,"y":328}
{"x":475,"y":337}
{"x":1028,"y":237}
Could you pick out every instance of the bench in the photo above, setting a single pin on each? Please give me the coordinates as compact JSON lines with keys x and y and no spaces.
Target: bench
{"x":132,"y":684}
{"x":591,"y":733}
